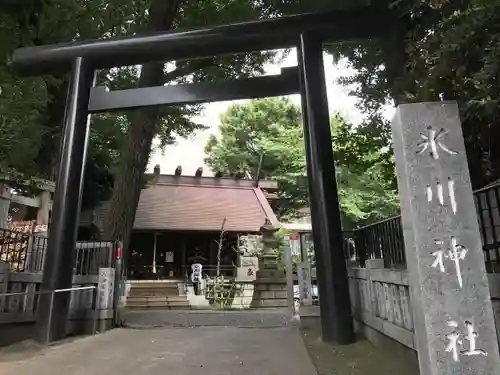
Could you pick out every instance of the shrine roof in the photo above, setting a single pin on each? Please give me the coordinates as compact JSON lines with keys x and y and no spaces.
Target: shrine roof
{"x":169,"y":206}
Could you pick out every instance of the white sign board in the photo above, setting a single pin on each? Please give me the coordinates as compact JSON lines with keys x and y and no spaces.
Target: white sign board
{"x":169,"y":257}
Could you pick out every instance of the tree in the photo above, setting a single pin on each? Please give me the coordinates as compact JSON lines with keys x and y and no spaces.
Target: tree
{"x":42,"y":22}
{"x":144,"y":124}
{"x":32,"y":108}
{"x":269,"y":128}
{"x":444,"y":50}
{"x":273,"y":128}
{"x":460,"y":62}
{"x":39,"y":22}
{"x":21,"y":103}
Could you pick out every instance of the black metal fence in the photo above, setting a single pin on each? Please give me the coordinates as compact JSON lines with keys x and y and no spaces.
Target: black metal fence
{"x":25,"y":252}
{"x":384,"y":240}
{"x":92,"y":255}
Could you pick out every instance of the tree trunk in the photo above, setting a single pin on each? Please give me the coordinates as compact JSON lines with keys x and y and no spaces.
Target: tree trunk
{"x":137,"y":148}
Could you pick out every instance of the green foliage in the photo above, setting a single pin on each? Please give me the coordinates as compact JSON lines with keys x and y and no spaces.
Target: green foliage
{"x":17,"y":150}
{"x":32,"y":109}
{"x":443,"y":50}
{"x":22,"y":103}
{"x":34,"y":106}
{"x":460,"y":61}
{"x":273,"y":128}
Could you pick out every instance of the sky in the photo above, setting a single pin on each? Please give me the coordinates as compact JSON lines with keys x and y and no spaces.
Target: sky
{"x":189,"y":153}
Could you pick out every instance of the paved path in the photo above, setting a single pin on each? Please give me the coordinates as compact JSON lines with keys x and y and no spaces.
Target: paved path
{"x":179,"y":351}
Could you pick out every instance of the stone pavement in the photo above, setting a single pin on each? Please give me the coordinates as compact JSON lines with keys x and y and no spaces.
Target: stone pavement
{"x":265,"y":318}
{"x":179,"y":351}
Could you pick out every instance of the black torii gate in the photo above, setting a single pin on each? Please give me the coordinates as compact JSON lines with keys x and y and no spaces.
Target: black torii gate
{"x":307,"y":32}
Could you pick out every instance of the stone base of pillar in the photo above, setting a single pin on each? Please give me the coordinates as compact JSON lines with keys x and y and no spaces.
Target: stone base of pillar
{"x":270,"y":289}
{"x":270,"y":294}
{"x":269,"y":285}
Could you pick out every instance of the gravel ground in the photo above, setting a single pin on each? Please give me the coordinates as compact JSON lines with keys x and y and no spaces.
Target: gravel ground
{"x":361,"y":358}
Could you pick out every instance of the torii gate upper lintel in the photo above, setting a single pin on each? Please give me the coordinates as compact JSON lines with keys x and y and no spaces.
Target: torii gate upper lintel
{"x":267,"y":34}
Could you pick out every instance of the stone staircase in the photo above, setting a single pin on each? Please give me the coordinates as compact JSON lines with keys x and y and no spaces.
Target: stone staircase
{"x":156,"y":295}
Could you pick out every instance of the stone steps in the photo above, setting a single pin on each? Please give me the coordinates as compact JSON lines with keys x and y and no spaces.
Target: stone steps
{"x":155,"y":284}
{"x":153,"y":292}
{"x":145,"y":289}
{"x":156,"y":295}
{"x":158,"y":307}
{"x":144,"y":286}
{"x":157,"y":302}
{"x":172,"y":299}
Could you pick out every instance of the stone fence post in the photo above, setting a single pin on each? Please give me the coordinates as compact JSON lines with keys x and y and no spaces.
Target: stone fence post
{"x":4,"y":279}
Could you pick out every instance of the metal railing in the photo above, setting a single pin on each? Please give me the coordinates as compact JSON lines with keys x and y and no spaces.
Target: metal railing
{"x":487,"y":202}
{"x":51,"y":304}
{"x":25,"y":252}
{"x":384,"y":239}
{"x":92,"y":255}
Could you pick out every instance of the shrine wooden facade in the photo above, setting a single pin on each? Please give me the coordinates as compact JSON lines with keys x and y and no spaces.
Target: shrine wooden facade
{"x":180,"y":217}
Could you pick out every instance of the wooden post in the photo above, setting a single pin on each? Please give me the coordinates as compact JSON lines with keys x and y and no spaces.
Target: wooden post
{"x":153,"y":270}
{"x":42,"y":216}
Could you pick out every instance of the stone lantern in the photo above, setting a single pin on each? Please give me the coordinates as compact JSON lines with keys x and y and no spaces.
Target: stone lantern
{"x":269,"y":254}
{"x":270,"y":283}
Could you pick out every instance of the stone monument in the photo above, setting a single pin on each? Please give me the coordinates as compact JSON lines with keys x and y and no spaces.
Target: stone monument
{"x":246,"y":273}
{"x":305,"y":283}
{"x":270,"y":283}
{"x":453,"y":317}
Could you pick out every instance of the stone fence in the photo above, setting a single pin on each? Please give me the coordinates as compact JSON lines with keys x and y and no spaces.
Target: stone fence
{"x":90,"y":305}
{"x":380,"y":299}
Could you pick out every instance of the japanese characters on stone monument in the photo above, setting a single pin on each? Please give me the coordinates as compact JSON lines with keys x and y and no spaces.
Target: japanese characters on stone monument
{"x":453,"y":318}
{"x":304,"y":276}
{"x":105,"y":288}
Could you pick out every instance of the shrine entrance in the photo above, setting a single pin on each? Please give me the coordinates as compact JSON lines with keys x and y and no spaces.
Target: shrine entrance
{"x":306,"y":32}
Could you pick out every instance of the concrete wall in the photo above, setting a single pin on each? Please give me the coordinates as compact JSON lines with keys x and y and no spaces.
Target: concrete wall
{"x":381,"y":302}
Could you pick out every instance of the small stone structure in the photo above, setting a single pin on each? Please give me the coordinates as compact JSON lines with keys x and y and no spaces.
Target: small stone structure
{"x":383,"y":309}
{"x":43,"y":201}
{"x":87,"y":306}
{"x":92,"y":302}
{"x":270,"y":282}
{"x":246,"y":274}
{"x":259,"y":282}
